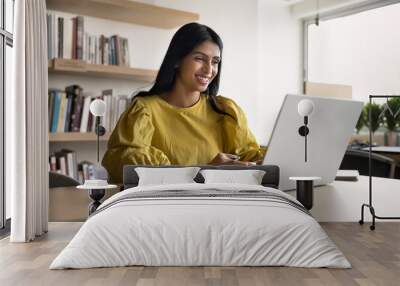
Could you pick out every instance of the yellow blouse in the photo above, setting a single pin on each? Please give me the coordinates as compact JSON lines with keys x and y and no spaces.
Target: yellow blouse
{"x":153,"y":132}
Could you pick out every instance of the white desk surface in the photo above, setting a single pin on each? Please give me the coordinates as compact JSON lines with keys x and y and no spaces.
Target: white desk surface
{"x":341,"y":200}
{"x":384,"y":149}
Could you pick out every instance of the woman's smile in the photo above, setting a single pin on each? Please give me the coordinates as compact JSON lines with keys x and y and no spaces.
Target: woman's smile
{"x":203,"y":80}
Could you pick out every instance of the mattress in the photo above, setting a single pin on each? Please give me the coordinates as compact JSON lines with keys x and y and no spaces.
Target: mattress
{"x":201,"y":225}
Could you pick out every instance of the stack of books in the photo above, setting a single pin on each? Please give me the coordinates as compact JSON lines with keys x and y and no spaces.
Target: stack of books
{"x":65,"y":162}
{"x":69,"y":109}
{"x":115,"y":106}
{"x":67,"y":39}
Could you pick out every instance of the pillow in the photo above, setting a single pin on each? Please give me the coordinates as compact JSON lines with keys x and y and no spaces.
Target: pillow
{"x":248,"y":177}
{"x":163,"y":176}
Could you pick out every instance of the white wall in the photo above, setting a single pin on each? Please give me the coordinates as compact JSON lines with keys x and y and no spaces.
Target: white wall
{"x":360,"y":50}
{"x":280,"y":62}
{"x":261,"y":58}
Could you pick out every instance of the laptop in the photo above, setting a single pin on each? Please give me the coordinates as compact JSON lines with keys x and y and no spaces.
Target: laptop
{"x":331,"y":125}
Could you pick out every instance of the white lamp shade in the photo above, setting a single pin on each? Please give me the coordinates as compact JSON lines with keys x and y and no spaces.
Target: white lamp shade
{"x":305,"y":107}
{"x":98,"y":107}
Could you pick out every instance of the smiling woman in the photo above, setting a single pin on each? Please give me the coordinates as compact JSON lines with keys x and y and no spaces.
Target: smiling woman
{"x":182,"y":120}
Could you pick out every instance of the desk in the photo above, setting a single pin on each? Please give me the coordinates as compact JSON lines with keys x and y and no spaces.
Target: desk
{"x":341,"y":201}
{"x":384,"y":149}
{"x":389,"y":151}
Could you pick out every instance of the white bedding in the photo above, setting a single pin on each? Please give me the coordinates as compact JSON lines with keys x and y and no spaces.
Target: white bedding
{"x":182,"y":231}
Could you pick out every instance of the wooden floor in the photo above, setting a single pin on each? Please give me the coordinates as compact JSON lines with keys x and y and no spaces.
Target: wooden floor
{"x":375,"y":257}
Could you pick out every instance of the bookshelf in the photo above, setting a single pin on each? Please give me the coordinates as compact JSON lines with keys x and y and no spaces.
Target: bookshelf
{"x":67,"y":72}
{"x":126,"y":11}
{"x":82,"y":68}
{"x":76,"y":137}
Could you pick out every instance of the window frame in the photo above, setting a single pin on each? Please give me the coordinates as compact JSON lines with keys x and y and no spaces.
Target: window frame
{"x":6,"y":39}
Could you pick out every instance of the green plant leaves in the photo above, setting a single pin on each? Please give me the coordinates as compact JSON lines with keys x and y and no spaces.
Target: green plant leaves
{"x":391,"y":115}
{"x":376,"y":120}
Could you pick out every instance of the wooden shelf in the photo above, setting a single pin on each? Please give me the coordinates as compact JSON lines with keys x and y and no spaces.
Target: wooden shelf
{"x":76,"y":137}
{"x":80,"y":67}
{"x":126,"y":11}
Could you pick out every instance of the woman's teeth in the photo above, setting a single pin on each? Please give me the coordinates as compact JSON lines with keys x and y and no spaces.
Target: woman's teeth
{"x":203,"y":79}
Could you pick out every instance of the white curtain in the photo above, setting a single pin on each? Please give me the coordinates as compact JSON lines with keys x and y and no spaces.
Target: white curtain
{"x":26,"y":124}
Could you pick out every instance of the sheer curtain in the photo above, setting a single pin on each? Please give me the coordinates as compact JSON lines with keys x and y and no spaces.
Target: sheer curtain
{"x":26,"y":124}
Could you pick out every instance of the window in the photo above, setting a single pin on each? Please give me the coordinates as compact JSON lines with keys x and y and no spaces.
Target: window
{"x":6,"y":44}
{"x":358,"y":50}
{"x":355,"y":46}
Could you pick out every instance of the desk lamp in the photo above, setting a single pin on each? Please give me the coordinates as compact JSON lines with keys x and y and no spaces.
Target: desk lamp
{"x":97,"y":187}
{"x":305,"y":107}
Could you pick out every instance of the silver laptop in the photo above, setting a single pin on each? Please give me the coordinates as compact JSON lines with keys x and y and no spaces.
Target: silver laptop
{"x":331,"y":124}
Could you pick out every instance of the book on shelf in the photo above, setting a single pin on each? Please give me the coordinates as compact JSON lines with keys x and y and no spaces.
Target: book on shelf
{"x":76,"y":113}
{"x":64,"y":162}
{"x":69,"y":109}
{"x":107,"y":97}
{"x":50,"y":108}
{"x":73,"y":40}
{"x":68,"y":39}
{"x":79,"y":37}
{"x":52,"y":163}
{"x":70,"y":101}
{"x":71,"y":160}
{"x":88,"y":97}
{"x":86,"y":171}
{"x":49,"y":37}
{"x":62,"y":112}
{"x":54,"y":106}
{"x":60,"y":37}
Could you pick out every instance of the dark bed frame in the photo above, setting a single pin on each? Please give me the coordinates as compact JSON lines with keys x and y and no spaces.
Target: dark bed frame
{"x":270,"y":179}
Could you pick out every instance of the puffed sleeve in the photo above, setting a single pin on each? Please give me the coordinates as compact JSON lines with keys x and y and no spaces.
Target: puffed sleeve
{"x":239,"y":139}
{"x":130,"y":142}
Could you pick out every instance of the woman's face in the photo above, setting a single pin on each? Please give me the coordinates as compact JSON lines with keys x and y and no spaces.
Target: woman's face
{"x":199,"y":68}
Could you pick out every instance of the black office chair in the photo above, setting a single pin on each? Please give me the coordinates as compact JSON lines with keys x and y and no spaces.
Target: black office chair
{"x":382,"y":166}
{"x":57,"y":180}
{"x":397,"y":171}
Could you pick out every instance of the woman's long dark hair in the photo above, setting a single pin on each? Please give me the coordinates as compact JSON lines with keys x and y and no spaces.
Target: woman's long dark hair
{"x":183,"y":42}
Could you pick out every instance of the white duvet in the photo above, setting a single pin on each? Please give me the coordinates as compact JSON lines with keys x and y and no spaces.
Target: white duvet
{"x":200,"y":231}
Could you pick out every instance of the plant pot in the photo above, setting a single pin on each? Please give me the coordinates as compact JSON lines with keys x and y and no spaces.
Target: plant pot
{"x":391,"y":138}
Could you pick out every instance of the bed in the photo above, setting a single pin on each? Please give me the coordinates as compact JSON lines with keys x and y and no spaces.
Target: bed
{"x":198,"y":224}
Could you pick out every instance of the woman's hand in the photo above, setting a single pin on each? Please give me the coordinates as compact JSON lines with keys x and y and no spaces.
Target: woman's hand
{"x":228,"y":159}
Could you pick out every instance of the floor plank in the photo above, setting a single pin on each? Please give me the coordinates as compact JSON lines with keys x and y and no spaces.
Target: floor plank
{"x":374,"y":255}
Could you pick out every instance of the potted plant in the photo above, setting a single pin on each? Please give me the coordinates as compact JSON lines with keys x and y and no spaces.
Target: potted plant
{"x":391,"y":122}
{"x":376,"y":121}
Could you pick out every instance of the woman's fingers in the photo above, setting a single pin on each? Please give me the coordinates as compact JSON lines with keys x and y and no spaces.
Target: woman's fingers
{"x":233,"y":157}
{"x":228,"y":156}
{"x":235,"y":162}
{"x":229,"y":159}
